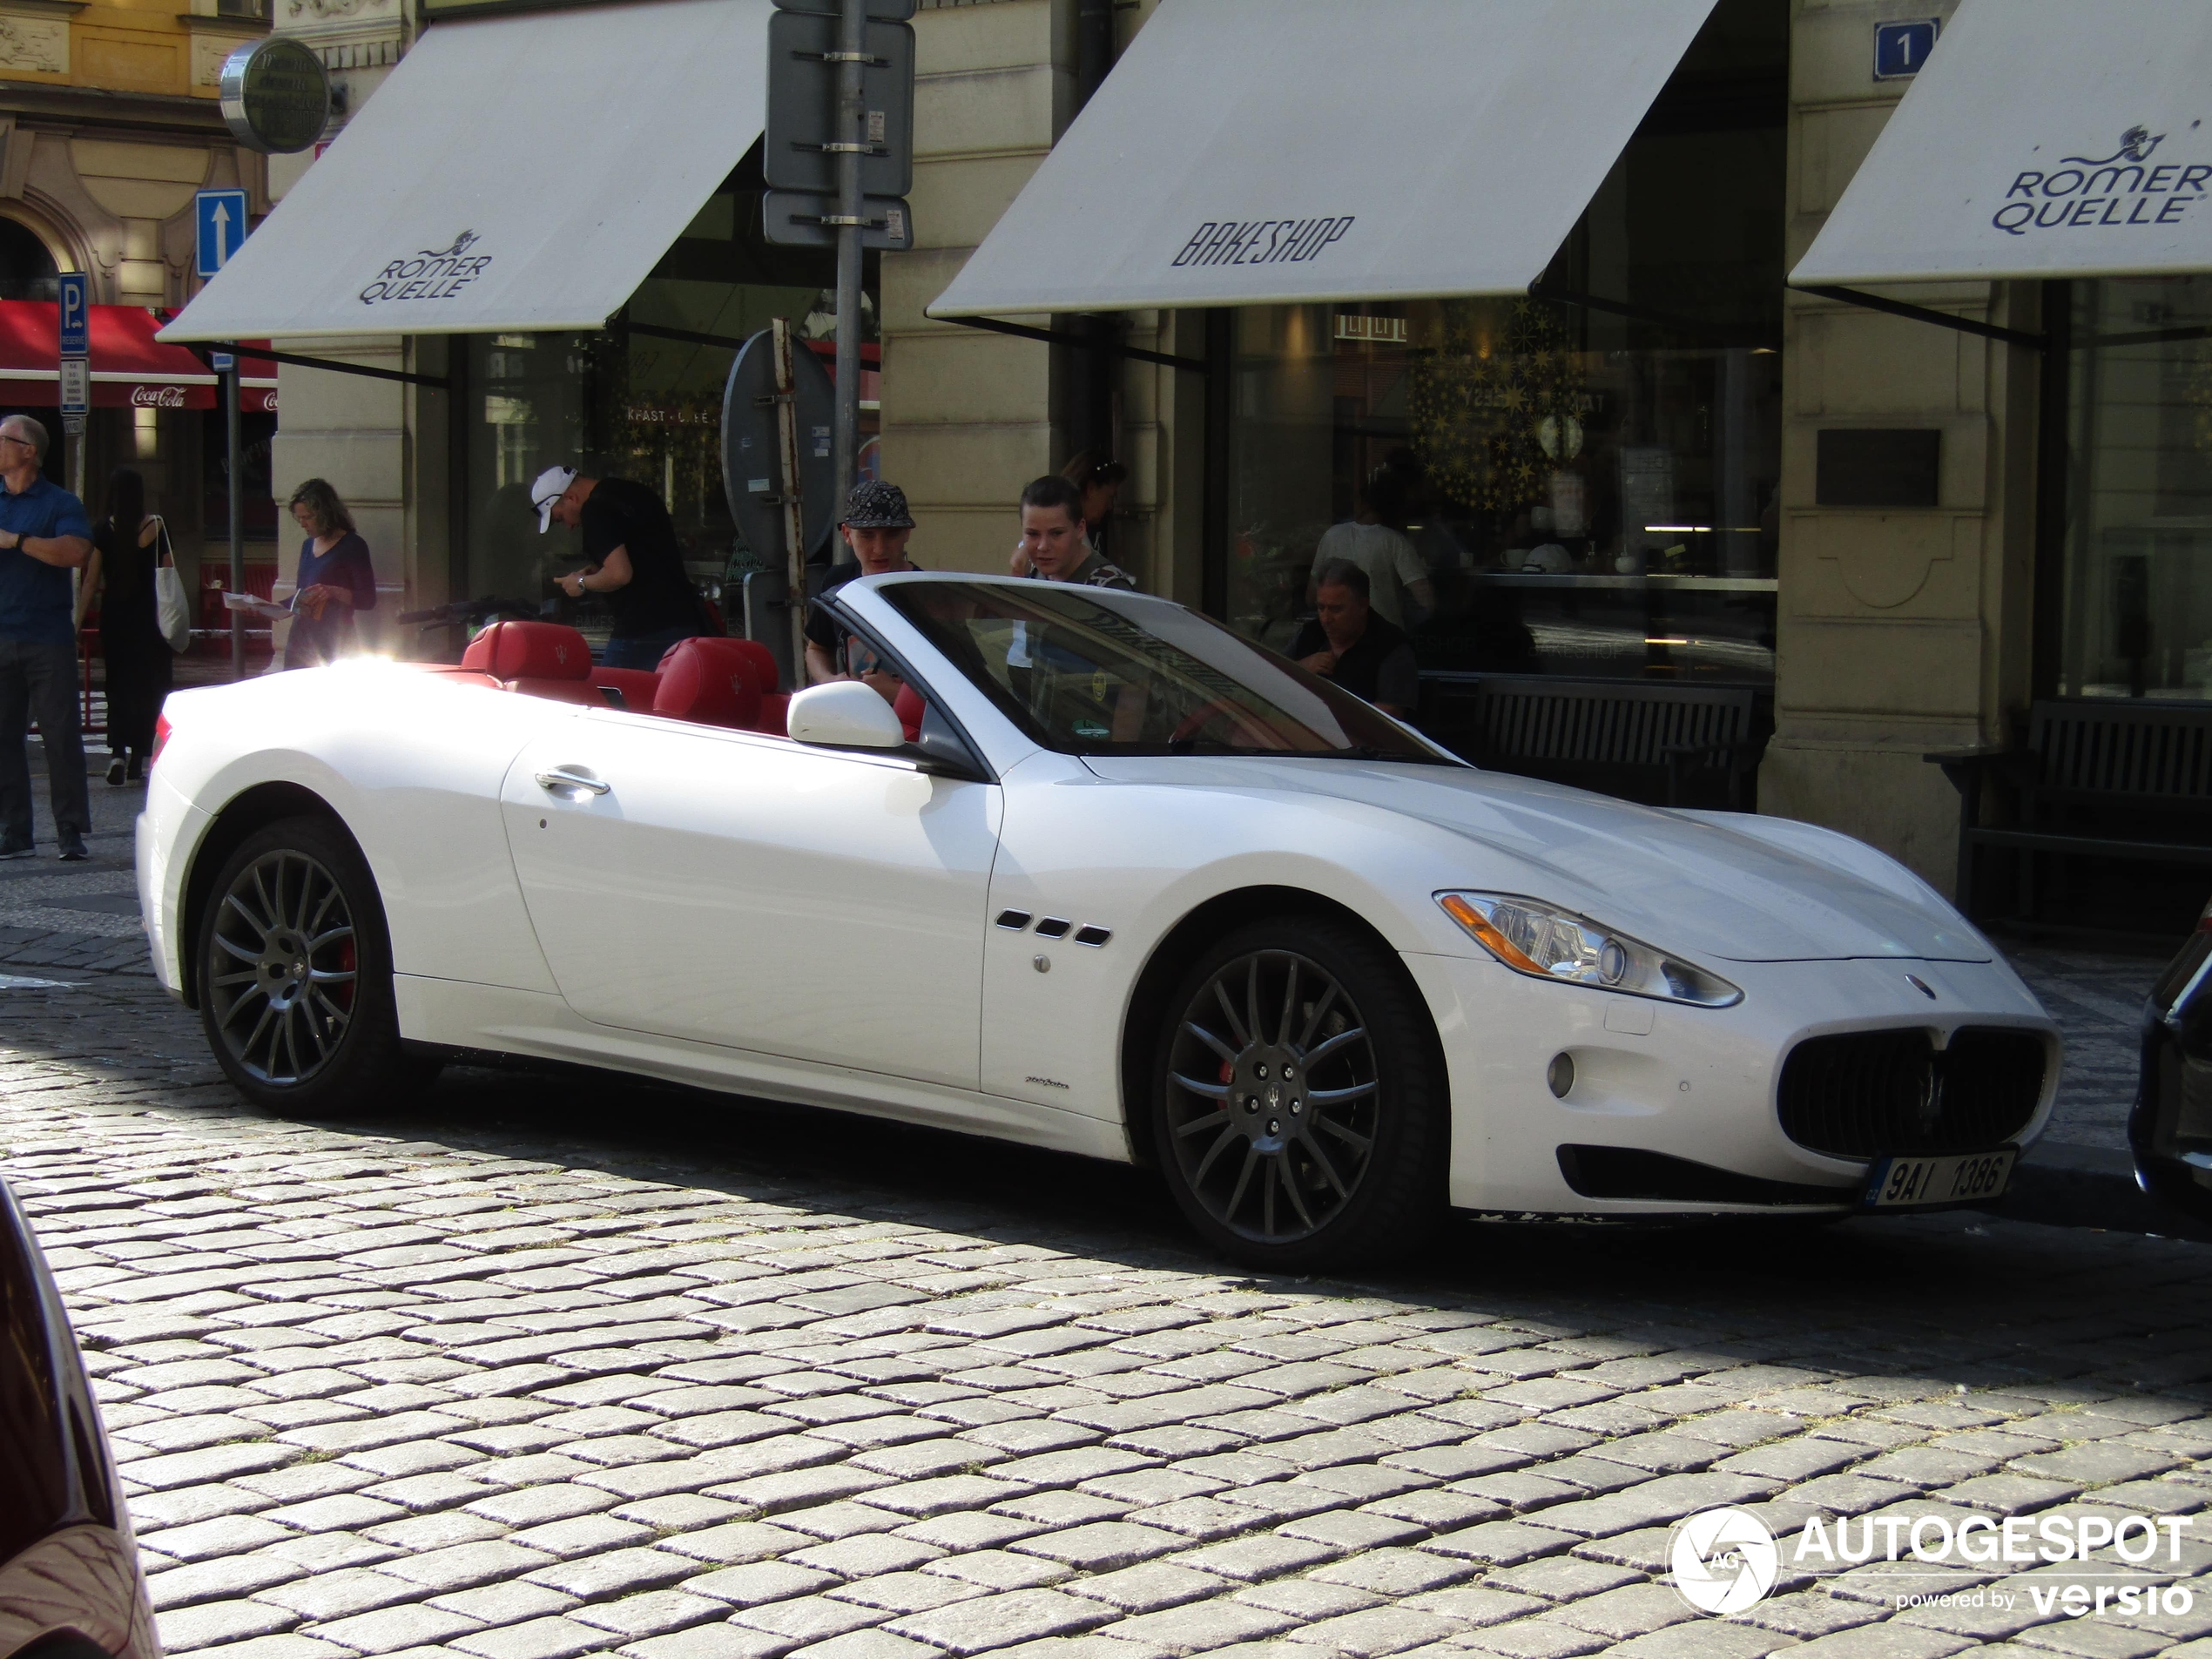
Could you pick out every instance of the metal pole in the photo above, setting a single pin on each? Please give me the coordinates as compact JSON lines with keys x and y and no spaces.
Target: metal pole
{"x":852,"y":126}
{"x":794,"y":497}
{"x":237,"y":522}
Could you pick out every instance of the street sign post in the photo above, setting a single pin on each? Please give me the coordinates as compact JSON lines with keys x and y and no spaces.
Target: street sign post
{"x":838,"y":157}
{"x":74,"y":314}
{"x":219,"y":219}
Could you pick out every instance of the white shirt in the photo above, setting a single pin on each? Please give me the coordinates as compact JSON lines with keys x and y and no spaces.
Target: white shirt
{"x":1388,"y":557}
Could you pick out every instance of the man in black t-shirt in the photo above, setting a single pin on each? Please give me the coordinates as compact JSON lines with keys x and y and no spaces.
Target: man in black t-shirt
{"x":1346,"y":643}
{"x":876,"y":527}
{"x":633,"y":561}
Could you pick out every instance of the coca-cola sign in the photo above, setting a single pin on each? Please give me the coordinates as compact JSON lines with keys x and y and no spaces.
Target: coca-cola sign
{"x":157,"y":397}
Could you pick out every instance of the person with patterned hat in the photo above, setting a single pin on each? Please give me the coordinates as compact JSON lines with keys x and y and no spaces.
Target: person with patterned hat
{"x":876,"y":527}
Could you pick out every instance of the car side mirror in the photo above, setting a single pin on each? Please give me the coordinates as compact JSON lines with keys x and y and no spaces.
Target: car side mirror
{"x":843,"y":714}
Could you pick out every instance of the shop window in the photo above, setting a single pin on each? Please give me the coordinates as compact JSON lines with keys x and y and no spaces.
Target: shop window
{"x":1583,"y":483}
{"x":256,"y":440}
{"x":2137,"y":614}
{"x":642,"y":400}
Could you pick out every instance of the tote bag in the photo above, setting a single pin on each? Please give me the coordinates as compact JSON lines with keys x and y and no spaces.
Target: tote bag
{"x":173,"y":606}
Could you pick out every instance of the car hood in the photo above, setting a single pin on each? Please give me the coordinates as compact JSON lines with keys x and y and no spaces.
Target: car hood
{"x":1697,"y":883}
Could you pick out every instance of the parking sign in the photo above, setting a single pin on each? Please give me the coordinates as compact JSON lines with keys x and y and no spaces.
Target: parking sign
{"x":76,"y":316}
{"x":75,"y":344}
{"x":219,"y":219}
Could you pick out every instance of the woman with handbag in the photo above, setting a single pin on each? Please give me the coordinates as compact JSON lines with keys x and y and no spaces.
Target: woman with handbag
{"x":128,"y":546}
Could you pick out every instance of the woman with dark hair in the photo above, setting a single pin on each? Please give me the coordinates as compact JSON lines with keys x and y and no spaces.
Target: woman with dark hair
{"x":127,"y":545}
{"x":337,"y":578}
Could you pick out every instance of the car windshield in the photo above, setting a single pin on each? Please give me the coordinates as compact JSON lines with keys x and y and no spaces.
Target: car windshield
{"x":1089,"y":678}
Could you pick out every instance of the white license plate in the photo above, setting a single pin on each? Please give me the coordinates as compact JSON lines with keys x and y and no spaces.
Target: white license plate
{"x":1914,"y":1183}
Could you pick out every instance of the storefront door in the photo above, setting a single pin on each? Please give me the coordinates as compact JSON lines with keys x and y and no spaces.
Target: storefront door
{"x":747,"y":892}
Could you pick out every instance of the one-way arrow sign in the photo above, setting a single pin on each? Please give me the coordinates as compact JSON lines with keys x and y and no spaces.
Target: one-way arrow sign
{"x":221,"y":218}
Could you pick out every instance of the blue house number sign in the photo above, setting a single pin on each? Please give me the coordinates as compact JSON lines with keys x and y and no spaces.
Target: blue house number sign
{"x":1901,"y":48}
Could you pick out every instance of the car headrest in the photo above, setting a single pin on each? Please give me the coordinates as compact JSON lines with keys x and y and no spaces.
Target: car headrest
{"x":756,"y":659}
{"x":709,"y":681}
{"x":529,"y":650}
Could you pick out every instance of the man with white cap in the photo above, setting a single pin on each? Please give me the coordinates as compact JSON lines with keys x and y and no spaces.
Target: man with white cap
{"x":633,"y":561}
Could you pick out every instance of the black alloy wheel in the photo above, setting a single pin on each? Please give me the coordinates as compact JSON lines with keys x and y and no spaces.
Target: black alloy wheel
{"x":295,"y":977}
{"x":1301,"y":1118}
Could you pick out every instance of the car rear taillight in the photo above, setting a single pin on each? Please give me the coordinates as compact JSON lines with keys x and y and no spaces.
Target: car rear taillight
{"x":161,"y":731}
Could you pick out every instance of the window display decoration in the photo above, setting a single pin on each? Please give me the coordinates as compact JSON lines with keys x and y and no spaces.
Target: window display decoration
{"x":1494,"y":411}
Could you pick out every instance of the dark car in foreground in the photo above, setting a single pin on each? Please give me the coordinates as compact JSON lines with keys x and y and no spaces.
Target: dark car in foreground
{"x":2170,"y":1129}
{"x":70,"y":1583}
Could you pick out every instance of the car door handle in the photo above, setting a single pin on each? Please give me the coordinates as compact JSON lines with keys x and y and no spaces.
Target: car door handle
{"x":561,"y":777}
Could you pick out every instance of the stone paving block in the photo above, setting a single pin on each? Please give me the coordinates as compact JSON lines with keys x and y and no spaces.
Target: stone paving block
{"x":213,"y":1622}
{"x":2008,"y":1494}
{"x":1000,"y":1569}
{"x":410,"y":1625}
{"x":2098,"y":1463}
{"x":1147,"y":1588}
{"x":1704,"y":1639}
{"x":1534,"y":1638}
{"x":759,"y":1582}
{"x":1501,"y":1543}
{"x":460,"y":1565}
{"x":1308,"y":1600}
{"x":867,"y":1644}
{"x":1354,"y":1529}
{"x":1631,"y":1610}
{"x":535,"y":1505}
{"x":1000,"y":1621}
{"x":1378,"y":1630}
{"x":655,"y":1613}
{"x":1474,"y":1605}
{"x":618,"y":1572}
{"x":906,"y":1592}
{"x":337,"y":1596}
{"x":218,"y":1581}
{"x":508,"y":1603}
{"x":1889,"y":1640}
{"x":547,"y":1638}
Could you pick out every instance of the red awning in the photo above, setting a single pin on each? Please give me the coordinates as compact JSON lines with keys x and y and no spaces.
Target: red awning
{"x":131,"y":369}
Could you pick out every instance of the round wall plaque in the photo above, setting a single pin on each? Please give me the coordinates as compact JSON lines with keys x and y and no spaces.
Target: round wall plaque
{"x":276,"y":98}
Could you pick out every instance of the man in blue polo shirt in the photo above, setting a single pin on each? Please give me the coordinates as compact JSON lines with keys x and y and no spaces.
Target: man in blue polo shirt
{"x":44,"y":535}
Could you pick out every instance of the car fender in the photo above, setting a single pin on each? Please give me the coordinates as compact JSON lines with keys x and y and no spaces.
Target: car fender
{"x":412,"y":770}
{"x":1095,"y":856}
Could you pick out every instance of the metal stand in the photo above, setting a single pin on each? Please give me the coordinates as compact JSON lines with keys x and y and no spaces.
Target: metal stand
{"x":794,"y":493}
{"x":851,"y":117}
{"x":237,"y":522}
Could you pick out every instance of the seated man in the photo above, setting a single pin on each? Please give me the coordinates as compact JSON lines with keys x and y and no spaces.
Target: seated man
{"x":877,"y":527}
{"x":1347,"y":643}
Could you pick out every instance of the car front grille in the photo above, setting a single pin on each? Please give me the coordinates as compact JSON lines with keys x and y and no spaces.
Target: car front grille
{"x":1867,"y":1093}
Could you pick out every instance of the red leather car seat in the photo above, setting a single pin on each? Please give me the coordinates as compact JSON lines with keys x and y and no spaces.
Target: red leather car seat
{"x":710,"y":682}
{"x":909,"y":707}
{"x":529,"y":650}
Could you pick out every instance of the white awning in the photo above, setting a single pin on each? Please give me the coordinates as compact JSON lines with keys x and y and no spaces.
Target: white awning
{"x":2045,"y":138}
{"x":513,"y":172}
{"x":1261,"y":152}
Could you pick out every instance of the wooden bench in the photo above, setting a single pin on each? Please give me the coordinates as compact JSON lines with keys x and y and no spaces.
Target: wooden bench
{"x":1648,"y":740}
{"x":2121,"y":778}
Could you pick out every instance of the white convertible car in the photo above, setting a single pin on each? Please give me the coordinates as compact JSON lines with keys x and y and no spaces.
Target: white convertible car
{"x":1108,"y":879}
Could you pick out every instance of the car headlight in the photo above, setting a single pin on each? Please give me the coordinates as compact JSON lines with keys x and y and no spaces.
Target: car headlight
{"x":1546,"y":942}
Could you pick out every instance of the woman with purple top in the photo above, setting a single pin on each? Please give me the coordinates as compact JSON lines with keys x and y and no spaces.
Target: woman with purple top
{"x":337,"y":579}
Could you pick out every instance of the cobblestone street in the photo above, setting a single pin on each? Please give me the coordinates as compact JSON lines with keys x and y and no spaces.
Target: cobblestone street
{"x":548,"y":1365}
{"x":495,"y":1379}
